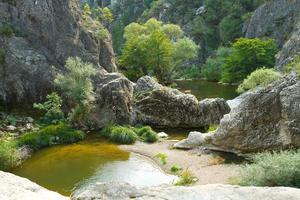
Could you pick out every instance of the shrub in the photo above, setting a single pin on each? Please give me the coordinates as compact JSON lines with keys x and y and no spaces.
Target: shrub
{"x":146,"y":134}
{"x":78,"y":86}
{"x":293,"y":65}
{"x":186,"y":178}
{"x":122,"y":135}
{"x":7,"y":30}
{"x":49,"y":136}
{"x":175,"y":168}
{"x":162,"y":158}
{"x":247,"y":55}
{"x":52,"y":108}
{"x":272,"y":169}
{"x":260,"y":77}
{"x":9,"y":155}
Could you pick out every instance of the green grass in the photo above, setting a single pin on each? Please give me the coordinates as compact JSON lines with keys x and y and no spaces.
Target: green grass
{"x":162,"y":158}
{"x":9,"y":155}
{"x":50,"y":135}
{"x":128,"y":134}
{"x":175,"y":168}
{"x":272,"y":169}
{"x":186,"y":178}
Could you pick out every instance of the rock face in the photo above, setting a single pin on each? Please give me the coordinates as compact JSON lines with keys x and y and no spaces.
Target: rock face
{"x":17,"y":188}
{"x":278,"y":19}
{"x":165,"y":107}
{"x":46,"y":33}
{"x":266,"y":119}
{"x":122,"y":191}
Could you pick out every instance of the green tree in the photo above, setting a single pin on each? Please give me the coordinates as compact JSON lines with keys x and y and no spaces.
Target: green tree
{"x":77,"y":85}
{"x":155,"y":49}
{"x":52,"y":108}
{"x":248,"y":55}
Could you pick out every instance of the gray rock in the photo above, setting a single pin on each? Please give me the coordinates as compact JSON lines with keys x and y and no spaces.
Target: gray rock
{"x":193,"y":140}
{"x":278,"y":19}
{"x":10,"y":128}
{"x":123,"y":191}
{"x":50,"y":31}
{"x":266,"y":119}
{"x":165,"y":107}
{"x":17,"y":188}
{"x":162,"y":135}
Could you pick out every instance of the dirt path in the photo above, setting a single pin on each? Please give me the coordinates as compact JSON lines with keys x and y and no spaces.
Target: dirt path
{"x":203,"y":166}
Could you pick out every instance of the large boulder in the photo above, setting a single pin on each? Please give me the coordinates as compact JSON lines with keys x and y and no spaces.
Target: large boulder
{"x":123,"y":191}
{"x":114,"y":96}
{"x":278,"y":19}
{"x":165,"y":107}
{"x":46,"y":33}
{"x":265,"y":119}
{"x":16,"y":188}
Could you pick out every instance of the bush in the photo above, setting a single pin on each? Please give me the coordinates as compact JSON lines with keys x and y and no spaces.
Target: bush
{"x":146,"y":134}
{"x":186,"y":178}
{"x":260,"y":77}
{"x":9,"y":155}
{"x":162,"y":158}
{"x":123,"y":135}
{"x":293,"y":65}
{"x":247,"y":55}
{"x":52,"y":108}
{"x":49,"y":136}
{"x":272,"y":169}
{"x":175,"y":168}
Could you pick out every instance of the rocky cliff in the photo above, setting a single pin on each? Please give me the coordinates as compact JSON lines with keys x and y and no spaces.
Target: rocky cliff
{"x":36,"y":35}
{"x":278,"y":19}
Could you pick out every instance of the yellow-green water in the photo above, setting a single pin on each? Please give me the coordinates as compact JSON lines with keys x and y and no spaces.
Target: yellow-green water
{"x":63,"y":167}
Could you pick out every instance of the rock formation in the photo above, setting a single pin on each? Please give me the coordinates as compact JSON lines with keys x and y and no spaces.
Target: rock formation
{"x":160,"y":106}
{"x":17,"y":188}
{"x":123,"y":191}
{"x":278,"y":19}
{"x":265,"y":119}
{"x":36,"y":35}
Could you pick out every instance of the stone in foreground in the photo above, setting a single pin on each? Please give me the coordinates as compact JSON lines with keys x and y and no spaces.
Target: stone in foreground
{"x":16,"y":188}
{"x":123,"y":191}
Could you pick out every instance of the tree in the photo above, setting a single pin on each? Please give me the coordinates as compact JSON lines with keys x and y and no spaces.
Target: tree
{"x":77,"y":85}
{"x":248,"y":55}
{"x":157,"y":49}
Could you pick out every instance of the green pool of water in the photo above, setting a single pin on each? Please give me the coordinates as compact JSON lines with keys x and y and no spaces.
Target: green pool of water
{"x":203,"y":89}
{"x":61,"y":168}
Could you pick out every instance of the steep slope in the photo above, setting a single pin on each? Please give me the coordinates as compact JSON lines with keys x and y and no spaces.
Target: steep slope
{"x":36,"y":35}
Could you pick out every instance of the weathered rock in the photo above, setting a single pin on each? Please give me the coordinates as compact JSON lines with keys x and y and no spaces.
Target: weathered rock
{"x":165,"y":107}
{"x":193,"y":140}
{"x":122,"y":191}
{"x":47,"y":33}
{"x":162,"y":135}
{"x":10,"y":128}
{"x":278,"y":19}
{"x":16,"y":188}
{"x":114,"y":94}
{"x":266,"y":119}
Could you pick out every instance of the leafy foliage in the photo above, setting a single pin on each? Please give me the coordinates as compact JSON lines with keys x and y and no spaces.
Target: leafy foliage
{"x":52,"y":108}
{"x":77,"y":85}
{"x":260,"y":77}
{"x":272,"y":169}
{"x":248,"y":55}
{"x":9,"y":155}
{"x":49,"y":136}
{"x":155,"y":49}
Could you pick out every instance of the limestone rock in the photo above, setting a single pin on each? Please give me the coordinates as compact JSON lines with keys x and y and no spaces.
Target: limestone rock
{"x":17,"y":188}
{"x":193,"y":140}
{"x":161,"y":106}
{"x":162,"y":135}
{"x":266,"y":119}
{"x":123,"y":191}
